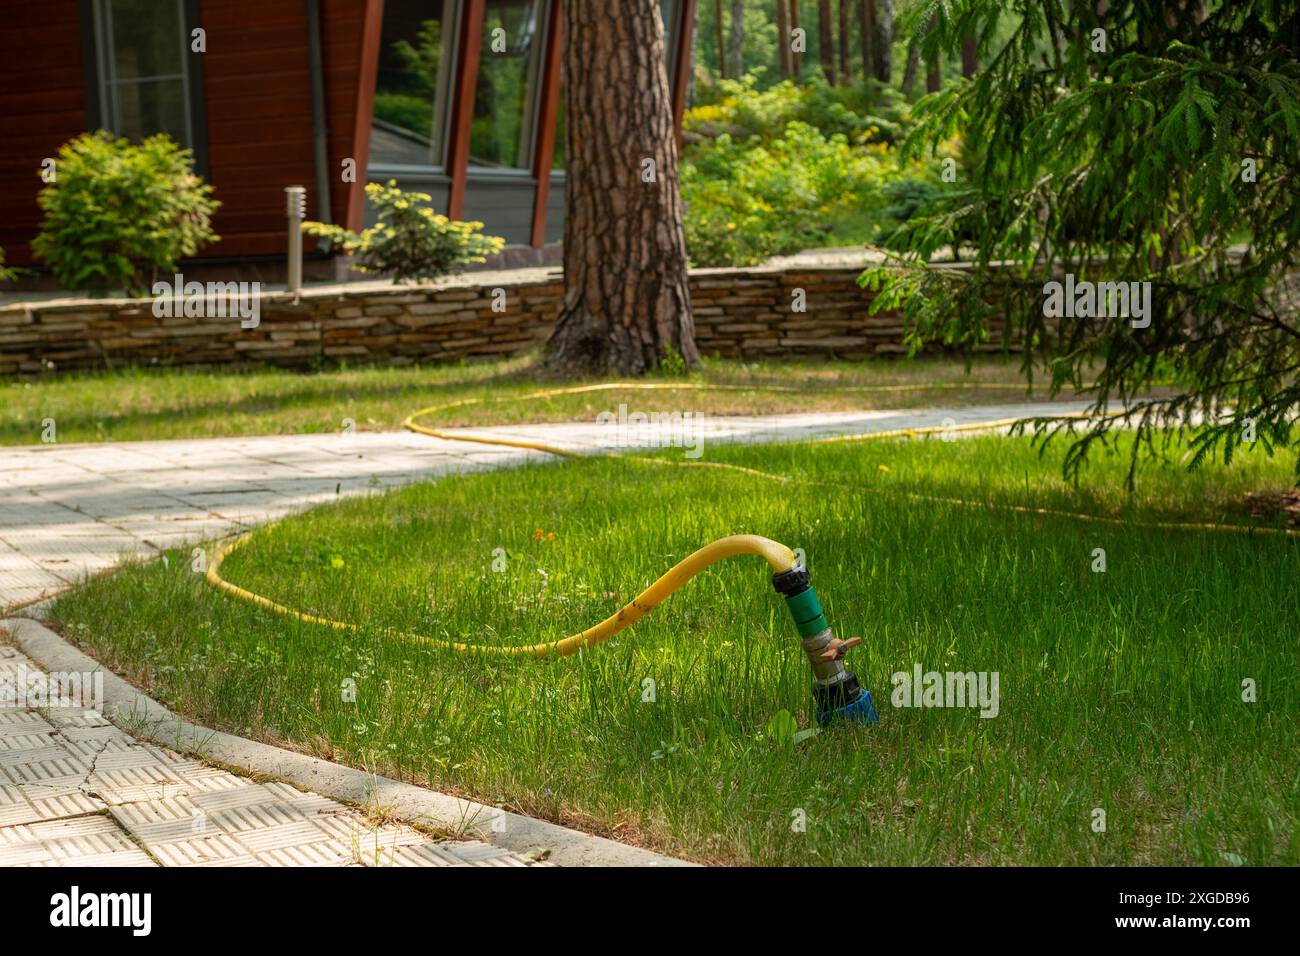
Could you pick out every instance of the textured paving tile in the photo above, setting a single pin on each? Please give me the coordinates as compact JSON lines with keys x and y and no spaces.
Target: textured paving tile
{"x":75,"y":790}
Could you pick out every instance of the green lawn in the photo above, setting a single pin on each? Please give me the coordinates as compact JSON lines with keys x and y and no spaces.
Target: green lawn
{"x":1119,"y":690}
{"x":139,"y":404}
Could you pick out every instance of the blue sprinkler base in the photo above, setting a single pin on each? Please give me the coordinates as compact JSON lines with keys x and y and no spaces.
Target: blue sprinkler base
{"x":860,"y":711}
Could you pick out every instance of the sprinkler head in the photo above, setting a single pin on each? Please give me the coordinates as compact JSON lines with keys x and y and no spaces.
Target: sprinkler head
{"x":836,"y":691}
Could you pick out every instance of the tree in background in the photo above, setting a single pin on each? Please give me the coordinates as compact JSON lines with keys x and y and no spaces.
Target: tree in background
{"x":720,"y":24}
{"x":783,"y":28}
{"x":826,"y":40}
{"x":883,"y":42}
{"x":626,"y":303}
{"x":1151,"y":144}
{"x":797,"y":56}
{"x":846,"y":72}
{"x":736,"y":38}
{"x":867,"y":35}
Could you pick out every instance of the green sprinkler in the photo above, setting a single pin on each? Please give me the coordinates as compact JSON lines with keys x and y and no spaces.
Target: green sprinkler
{"x":836,"y":691}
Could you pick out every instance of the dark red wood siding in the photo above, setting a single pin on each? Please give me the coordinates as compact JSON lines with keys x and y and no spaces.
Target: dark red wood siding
{"x":257,"y":88}
{"x":42,"y":106}
{"x":258,"y":84}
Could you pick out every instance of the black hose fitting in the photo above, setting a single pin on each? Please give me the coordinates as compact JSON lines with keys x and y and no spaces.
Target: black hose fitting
{"x":792,"y":582}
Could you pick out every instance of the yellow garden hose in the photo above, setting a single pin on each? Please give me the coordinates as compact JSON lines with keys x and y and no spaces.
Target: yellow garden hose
{"x":778,"y":556}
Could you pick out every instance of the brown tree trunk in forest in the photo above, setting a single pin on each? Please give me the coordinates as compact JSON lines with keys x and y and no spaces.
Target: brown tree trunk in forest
{"x":626,"y":296}
{"x":969,"y":56}
{"x":867,"y":36}
{"x":884,"y":40}
{"x":796,"y":56}
{"x":846,"y":74}
{"x":722,"y":41}
{"x":826,"y":40}
{"x":933,"y":81}
{"x":736,"y":48}
{"x":783,"y":39}
{"x":910,"y":67}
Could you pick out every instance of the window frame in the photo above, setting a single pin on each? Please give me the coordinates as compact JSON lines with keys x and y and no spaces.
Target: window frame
{"x":532,"y":108}
{"x":454,"y":11}
{"x":99,"y":69}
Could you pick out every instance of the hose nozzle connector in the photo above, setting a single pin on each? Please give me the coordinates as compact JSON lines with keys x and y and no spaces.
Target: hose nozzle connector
{"x":835,"y":688}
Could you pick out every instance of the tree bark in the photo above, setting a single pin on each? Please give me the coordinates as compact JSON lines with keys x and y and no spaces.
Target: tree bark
{"x":722,"y":42}
{"x":826,"y":40}
{"x":867,"y":36}
{"x":846,"y":74}
{"x":783,"y":39}
{"x":969,"y":56}
{"x":933,"y":80}
{"x":910,"y":67}
{"x":626,"y":294}
{"x":736,"y":47}
{"x":796,"y":57}
{"x":884,"y":40}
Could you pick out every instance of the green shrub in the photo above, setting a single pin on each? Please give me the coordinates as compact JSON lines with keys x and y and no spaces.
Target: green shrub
{"x":791,"y":167}
{"x":409,"y":239}
{"x":746,"y":200}
{"x":7,"y":274}
{"x":862,"y":113}
{"x":408,"y":112}
{"x":117,"y":213}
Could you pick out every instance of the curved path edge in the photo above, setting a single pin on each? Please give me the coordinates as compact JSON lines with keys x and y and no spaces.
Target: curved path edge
{"x":142,"y":716}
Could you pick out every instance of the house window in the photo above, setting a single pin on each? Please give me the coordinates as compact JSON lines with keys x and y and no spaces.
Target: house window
{"x":415,"y":61}
{"x":143,"y":67}
{"x":505,"y":94}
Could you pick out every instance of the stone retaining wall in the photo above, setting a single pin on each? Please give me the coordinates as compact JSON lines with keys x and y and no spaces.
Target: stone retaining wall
{"x":738,"y":313}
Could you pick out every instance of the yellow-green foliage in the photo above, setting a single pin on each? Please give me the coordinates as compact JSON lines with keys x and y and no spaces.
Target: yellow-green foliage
{"x":409,"y":240}
{"x":118,"y":212}
{"x":790,"y":168}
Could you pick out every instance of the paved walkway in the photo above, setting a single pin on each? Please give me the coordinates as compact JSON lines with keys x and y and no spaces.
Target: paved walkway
{"x":75,"y":790}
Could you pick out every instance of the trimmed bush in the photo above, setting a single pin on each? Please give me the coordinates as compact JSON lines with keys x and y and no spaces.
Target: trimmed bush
{"x":118,"y":214}
{"x":409,"y":240}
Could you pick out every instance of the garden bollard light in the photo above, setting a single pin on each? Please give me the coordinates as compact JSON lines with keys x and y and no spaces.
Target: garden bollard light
{"x":296,"y":198}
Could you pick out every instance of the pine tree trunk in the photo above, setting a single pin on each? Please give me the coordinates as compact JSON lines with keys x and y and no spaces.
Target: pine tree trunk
{"x":736,"y":46}
{"x":826,"y":40}
{"x":796,"y":57}
{"x":969,"y":56}
{"x":910,"y":67}
{"x":783,"y":39}
{"x":884,"y":40}
{"x":867,"y":36}
{"x":626,"y":295}
{"x":933,"y":80}
{"x":722,"y":43}
{"x":846,"y":73}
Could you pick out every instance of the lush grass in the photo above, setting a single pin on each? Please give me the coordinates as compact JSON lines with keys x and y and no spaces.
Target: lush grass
{"x":139,"y":404}
{"x":1120,"y":691}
